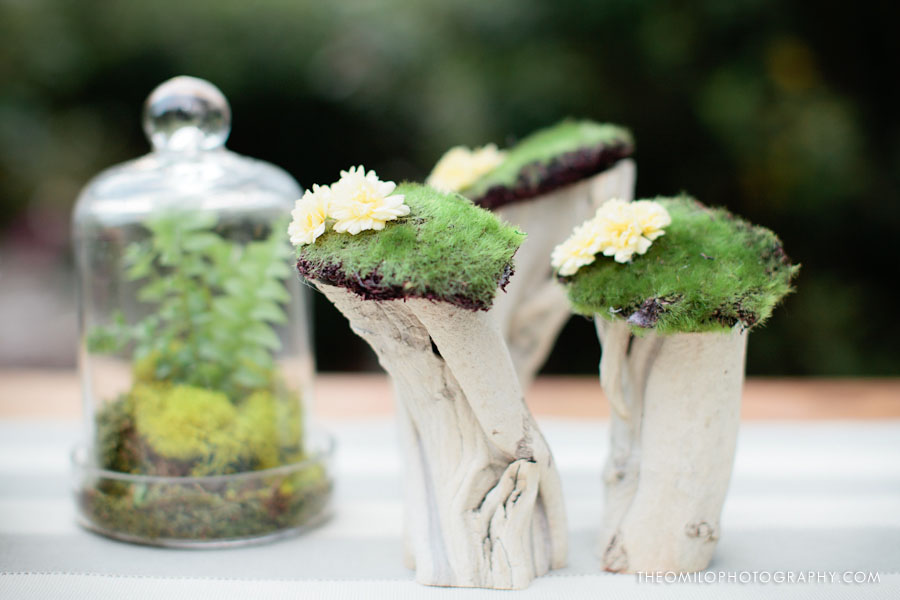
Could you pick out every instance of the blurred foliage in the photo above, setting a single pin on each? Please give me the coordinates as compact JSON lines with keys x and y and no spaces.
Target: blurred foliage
{"x":783,"y":111}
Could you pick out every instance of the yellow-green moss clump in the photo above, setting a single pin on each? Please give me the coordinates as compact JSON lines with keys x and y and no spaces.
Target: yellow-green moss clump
{"x":551,"y":158}
{"x":271,"y":429}
{"x":710,"y":271}
{"x":183,"y":422}
{"x":165,"y":429}
{"x":446,"y":249}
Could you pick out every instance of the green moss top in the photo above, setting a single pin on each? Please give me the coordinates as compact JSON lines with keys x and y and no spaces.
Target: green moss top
{"x":711,"y":270}
{"x":550,"y":158}
{"x":446,"y":249}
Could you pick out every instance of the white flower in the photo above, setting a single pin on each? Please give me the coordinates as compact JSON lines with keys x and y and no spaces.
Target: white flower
{"x":361,"y":201}
{"x":651,"y":217}
{"x":620,"y":231}
{"x":579,"y":249}
{"x":460,"y":167}
{"x":309,"y":215}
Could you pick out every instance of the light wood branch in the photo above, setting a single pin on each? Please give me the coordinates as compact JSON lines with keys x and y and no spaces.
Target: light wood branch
{"x":484,"y":504}
{"x":676,"y":402}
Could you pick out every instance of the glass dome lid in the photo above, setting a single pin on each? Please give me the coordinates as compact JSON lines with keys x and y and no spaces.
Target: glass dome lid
{"x":187,"y":121}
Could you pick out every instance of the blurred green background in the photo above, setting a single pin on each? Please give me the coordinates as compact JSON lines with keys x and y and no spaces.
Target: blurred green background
{"x":785,"y":112}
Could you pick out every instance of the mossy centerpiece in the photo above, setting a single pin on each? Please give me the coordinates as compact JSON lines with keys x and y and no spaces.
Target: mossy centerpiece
{"x":544,"y":185}
{"x":195,"y":356}
{"x":672,"y":310}
{"x":416,"y":280}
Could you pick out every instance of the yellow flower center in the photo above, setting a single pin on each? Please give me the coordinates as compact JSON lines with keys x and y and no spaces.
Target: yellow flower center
{"x":362,"y":202}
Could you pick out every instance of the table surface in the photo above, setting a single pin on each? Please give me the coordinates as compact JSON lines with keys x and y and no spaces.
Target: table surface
{"x":812,"y":491}
{"x":49,"y":393}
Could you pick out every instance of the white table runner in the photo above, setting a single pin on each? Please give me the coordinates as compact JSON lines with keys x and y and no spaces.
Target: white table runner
{"x":805,"y":497}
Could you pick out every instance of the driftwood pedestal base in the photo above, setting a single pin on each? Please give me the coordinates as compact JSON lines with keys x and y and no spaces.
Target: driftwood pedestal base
{"x":484,"y":506}
{"x":675,"y":412}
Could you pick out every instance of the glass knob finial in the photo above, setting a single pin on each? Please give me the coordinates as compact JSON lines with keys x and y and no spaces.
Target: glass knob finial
{"x":186,"y":114}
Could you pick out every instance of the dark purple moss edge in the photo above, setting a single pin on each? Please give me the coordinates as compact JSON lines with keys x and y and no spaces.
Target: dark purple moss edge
{"x":371,"y":287}
{"x":539,"y":178}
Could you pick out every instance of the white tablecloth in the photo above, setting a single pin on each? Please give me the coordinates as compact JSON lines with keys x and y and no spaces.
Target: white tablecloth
{"x":820,"y":497}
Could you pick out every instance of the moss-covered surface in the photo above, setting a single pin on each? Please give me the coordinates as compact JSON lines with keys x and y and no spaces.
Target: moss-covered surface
{"x":252,"y":505}
{"x":710,"y":271}
{"x":446,"y":249}
{"x":551,"y":158}
{"x":180,"y":430}
{"x":192,"y":436}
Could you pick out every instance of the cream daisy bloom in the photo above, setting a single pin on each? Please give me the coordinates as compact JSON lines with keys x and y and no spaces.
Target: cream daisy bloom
{"x":629,"y":228}
{"x":651,"y":217}
{"x":309,"y":215}
{"x":620,"y":231}
{"x":460,"y":167}
{"x":578,"y":250}
{"x":360,"y":201}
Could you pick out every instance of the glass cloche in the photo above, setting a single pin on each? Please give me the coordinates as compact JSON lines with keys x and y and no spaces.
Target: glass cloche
{"x":195,"y":358}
